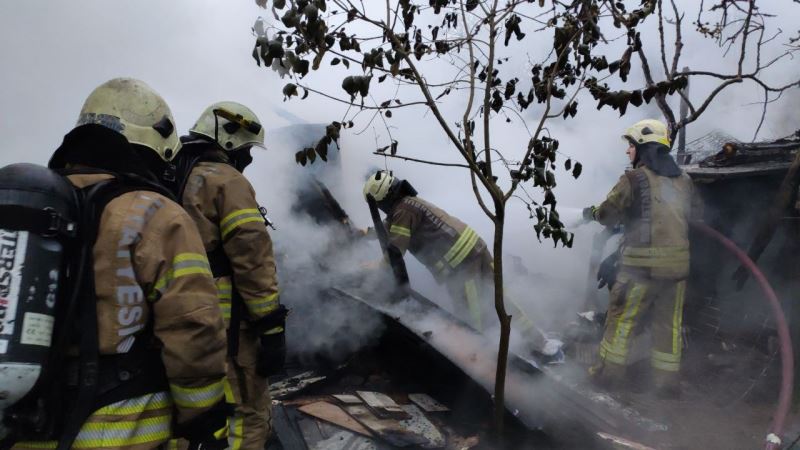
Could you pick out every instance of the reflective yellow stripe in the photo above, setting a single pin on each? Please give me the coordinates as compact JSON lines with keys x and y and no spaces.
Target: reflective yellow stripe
{"x":607,"y":353}
{"x":631,"y":311}
{"x":465,"y":250}
{"x":473,"y":303}
{"x":239,"y":218}
{"x":616,"y":351}
{"x":182,"y":265}
{"x":225,"y":309}
{"x":677,"y":318}
{"x":236,"y":432}
{"x":150,"y":402}
{"x":199,"y":397}
{"x":669,"y":362}
{"x":402,"y":231}
{"x":229,"y":398}
{"x":459,"y":245}
{"x":264,"y":305}
{"x":124,"y":433}
{"x":224,"y":291}
{"x":98,"y":433}
{"x":655,"y":257}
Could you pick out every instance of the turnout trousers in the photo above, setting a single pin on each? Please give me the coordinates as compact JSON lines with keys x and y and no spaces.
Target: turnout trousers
{"x":633,"y":302}
{"x":251,"y":424}
{"x":472,"y":289}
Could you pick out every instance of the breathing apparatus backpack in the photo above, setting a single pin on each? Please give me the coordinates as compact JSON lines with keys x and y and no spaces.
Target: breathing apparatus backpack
{"x":48,"y":305}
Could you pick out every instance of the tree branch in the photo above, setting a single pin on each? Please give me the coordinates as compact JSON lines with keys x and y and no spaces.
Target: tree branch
{"x":432,"y":163}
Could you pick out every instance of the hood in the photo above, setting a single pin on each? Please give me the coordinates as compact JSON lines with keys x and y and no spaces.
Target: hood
{"x":656,"y":157}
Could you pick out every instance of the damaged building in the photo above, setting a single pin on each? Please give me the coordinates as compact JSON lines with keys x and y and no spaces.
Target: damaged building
{"x":425,"y":379}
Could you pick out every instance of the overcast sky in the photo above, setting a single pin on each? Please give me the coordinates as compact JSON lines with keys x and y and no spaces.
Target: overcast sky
{"x":195,"y":52}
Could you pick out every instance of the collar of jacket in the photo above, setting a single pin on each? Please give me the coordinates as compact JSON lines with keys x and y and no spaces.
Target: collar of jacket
{"x":656,"y":157}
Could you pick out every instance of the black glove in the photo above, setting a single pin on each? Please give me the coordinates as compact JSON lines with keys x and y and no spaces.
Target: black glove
{"x":607,"y":272}
{"x":208,"y":430}
{"x":271,"y":354}
{"x":588,"y":213}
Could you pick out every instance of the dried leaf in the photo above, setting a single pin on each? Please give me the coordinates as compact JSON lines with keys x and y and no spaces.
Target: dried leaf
{"x":577,"y":170}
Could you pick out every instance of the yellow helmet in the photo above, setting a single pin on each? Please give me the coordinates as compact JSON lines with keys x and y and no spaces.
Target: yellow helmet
{"x":133,"y":109}
{"x":231,"y":125}
{"x":379,"y":185}
{"x":648,"y":130}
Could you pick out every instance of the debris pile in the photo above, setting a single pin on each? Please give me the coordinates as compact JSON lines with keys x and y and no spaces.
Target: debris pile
{"x":359,"y":419}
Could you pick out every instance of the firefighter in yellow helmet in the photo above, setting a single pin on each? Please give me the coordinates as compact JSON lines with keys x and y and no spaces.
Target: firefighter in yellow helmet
{"x":655,"y":202}
{"x":453,"y":253}
{"x":158,"y":333}
{"x":215,"y":193}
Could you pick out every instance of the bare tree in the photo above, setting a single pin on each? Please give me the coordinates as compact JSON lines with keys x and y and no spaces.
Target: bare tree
{"x":478,"y":49}
{"x":741,"y":29}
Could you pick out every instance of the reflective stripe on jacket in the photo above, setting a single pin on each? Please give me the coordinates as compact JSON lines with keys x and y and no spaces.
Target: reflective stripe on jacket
{"x":440,"y":241}
{"x":223,"y":205}
{"x":150,"y":267}
{"x":655,"y":211}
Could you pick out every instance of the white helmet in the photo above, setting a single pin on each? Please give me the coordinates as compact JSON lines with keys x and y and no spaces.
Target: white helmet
{"x":133,"y":109}
{"x":231,"y":125}
{"x":648,"y":130}
{"x":379,"y":185}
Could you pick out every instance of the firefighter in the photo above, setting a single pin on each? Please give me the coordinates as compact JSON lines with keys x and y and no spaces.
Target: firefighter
{"x":452,"y":251}
{"x":160,"y":335}
{"x":654,"y":203}
{"x":215,"y":193}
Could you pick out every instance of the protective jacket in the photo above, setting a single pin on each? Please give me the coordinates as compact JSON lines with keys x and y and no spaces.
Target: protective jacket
{"x":438,"y":240}
{"x":153,"y":290}
{"x":456,"y":256}
{"x":223,"y":205}
{"x":655,"y":211}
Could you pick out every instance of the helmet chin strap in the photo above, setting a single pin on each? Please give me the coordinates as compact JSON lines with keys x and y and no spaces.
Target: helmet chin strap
{"x":216,"y":127}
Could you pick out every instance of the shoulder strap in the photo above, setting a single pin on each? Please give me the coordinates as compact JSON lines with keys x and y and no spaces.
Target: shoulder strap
{"x":641,"y":209}
{"x":94,"y":200}
{"x":185,"y":167}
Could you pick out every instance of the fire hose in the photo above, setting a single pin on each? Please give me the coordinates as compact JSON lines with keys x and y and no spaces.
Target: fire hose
{"x":787,"y":357}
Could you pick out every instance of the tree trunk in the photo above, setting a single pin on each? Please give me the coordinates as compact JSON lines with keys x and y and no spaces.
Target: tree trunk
{"x":505,"y":321}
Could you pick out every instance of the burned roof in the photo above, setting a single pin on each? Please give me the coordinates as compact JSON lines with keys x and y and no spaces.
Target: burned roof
{"x":718,"y":157}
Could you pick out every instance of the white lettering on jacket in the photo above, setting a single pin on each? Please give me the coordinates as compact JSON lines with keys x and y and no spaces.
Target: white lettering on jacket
{"x":129,"y":294}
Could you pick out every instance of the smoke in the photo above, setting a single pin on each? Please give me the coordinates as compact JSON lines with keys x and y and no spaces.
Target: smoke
{"x":54,"y":64}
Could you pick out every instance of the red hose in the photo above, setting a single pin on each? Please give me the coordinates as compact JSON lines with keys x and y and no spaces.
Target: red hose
{"x":787,"y":356}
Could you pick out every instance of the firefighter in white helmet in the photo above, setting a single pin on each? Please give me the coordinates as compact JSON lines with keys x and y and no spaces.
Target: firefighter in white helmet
{"x":655,"y":203}
{"x":453,"y":253}
{"x":159,"y":332}
{"x":215,"y":193}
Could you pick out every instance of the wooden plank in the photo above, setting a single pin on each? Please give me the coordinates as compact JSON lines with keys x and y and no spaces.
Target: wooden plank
{"x":427,"y":403}
{"x":335,"y":415}
{"x":382,"y":404}
{"x":348,"y":399}
{"x":419,"y":424}
{"x":345,"y":440}
{"x":389,"y":430}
